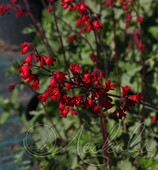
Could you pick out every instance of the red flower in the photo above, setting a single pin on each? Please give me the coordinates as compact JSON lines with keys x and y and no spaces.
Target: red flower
{"x":28,"y":60}
{"x":26,"y":46}
{"x":68,"y":86}
{"x":90,"y":101}
{"x":140,"y":19}
{"x":83,"y":20}
{"x":109,"y":3}
{"x":123,"y":2}
{"x":44,"y":96}
{"x":88,"y":78}
{"x":60,"y":76}
{"x":55,"y":93}
{"x":97,"y":25}
{"x":125,"y":8}
{"x":61,"y":106}
{"x":109,"y":86}
{"x":154,"y":119}
{"x":136,"y":97}
{"x":93,"y":57}
{"x":49,"y":60}
{"x":20,"y":12}
{"x":71,"y":38}
{"x":42,"y":62}
{"x":89,"y":28}
{"x":129,"y":17}
{"x":75,"y":69}
{"x":74,"y":112}
{"x":25,"y":50}
{"x":50,"y":9}
{"x":53,"y":82}
{"x":125,"y":90}
{"x":30,"y":78}
{"x":64,"y":112}
{"x":120,"y":112}
{"x":82,"y":8}
{"x":96,"y":109}
{"x":76,"y":100}
{"x":25,"y":71}
{"x":66,"y":3}
{"x":141,"y":47}
{"x":36,"y":58}
{"x":35,"y":84}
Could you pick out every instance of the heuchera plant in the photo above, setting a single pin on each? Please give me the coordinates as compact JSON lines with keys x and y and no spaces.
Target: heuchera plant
{"x":97,"y":94}
{"x":96,"y":88}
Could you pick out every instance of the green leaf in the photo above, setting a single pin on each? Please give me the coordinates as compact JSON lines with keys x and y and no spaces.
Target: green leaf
{"x":154,"y":31}
{"x":4,"y":117}
{"x":28,"y":30}
{"x":149,"y":164}
{"x":91,"y":168}
{"x":14,"y":95}
{"x":125,"y":165}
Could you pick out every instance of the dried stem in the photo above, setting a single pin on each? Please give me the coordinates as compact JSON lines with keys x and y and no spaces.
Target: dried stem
{"x":39,"y":30}
{"x":116,"y":50}
{"x":60,"y":38}
{"x":106,"y":153}
{"x":141,"y":102}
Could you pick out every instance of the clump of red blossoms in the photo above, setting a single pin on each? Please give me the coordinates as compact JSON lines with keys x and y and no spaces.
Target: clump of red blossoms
{"x":88,"y":21}
{"x":96,"y":95}
{"x":6,"y":8}
{"x":137,"y":37}
{"x":72,"y":38}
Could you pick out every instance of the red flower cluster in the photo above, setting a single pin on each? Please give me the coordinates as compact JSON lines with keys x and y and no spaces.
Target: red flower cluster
{"x":110,"y":3}
{"x":137,"y":38}
{"x":80,"y":7}
{"x":72,"y":38}
{"x":50,"y":9}
{"x":87,"y":23}
{"x":126,"y":4}
{"x":5,"y":9}
{"x":126,"y":103}
{"x":25,"y":70}
{"x":128,"y":18}
{"x":125,"y":90}
{"x":136,"y":97}
{"x":96,"y":94}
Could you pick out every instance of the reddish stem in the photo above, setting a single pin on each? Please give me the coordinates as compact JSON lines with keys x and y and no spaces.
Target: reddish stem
{"x":105,"y":138}
{"x":60,"y":38}
{"x":116,"y":50}
{"x":39,"y":30}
